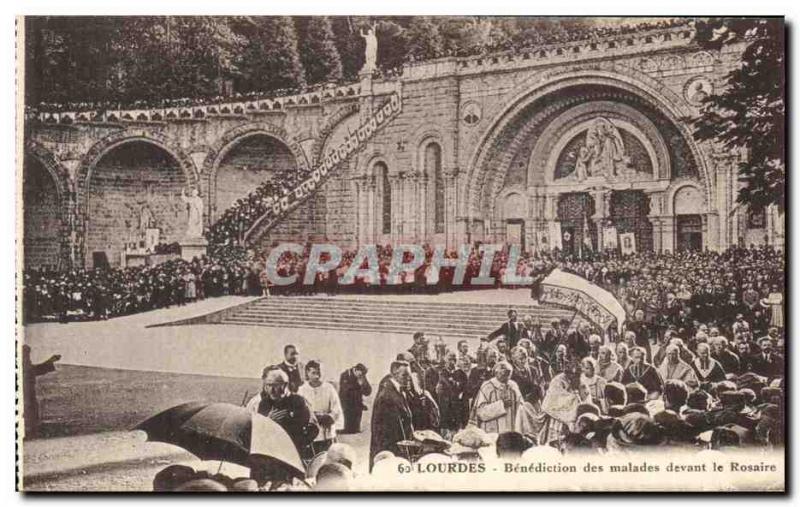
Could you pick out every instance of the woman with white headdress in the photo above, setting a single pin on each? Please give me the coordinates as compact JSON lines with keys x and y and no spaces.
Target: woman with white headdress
{"x":607,"y":365}
{"x":675,"y":368}
{"x":594,"y":384}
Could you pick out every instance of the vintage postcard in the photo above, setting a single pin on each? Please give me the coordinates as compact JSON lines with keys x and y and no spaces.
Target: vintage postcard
{"x":401,"y":253}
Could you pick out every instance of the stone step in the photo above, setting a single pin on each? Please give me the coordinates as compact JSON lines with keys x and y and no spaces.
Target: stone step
{"x":463,"y":320}
{"x":362,"y":327}
{"x":454,"y":312}
{"x":421,"y":323}
{"x":454,"y":309}
{"x":307,"y":301}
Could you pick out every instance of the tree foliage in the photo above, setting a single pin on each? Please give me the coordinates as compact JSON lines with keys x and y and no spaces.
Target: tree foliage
{"x":318,"y":51}
{"x":749,"y":113}
{"x":271,"y":59}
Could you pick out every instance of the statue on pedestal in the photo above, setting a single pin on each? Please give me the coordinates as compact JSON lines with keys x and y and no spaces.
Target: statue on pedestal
{"x":194,"y":204}
{"x":371,"y":50}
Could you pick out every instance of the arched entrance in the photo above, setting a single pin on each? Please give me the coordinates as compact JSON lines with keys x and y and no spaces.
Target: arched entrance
{"x":43,"y":216}
{"x":596,"y":157}
{"x":574,"y":213}
{"x":688,"y":219}
{"x":514,"y":214}
{"x":248,"y":162}
{"x":134,"y":200}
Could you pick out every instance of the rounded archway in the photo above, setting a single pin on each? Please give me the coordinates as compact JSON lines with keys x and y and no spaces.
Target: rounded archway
{"x":133,"y":201}
{"x":248,"y":162}
{"x":44,"y":216}
{"x":540,"y":116}
{"x":583,"y":141}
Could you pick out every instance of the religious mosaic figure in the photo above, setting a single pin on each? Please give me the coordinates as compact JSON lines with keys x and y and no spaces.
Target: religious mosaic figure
{"x":606,"y":150}
{"x":194,"y":204}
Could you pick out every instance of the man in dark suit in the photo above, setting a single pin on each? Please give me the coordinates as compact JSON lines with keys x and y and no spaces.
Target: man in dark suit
{"x":391,"y":415}
{"x":353,"y":386}
{"x":767,"y":363}
{"x":642,"y":332}
{"x":551,"y":339}
{"x":512,"y":330}
{"x":292,"y":367}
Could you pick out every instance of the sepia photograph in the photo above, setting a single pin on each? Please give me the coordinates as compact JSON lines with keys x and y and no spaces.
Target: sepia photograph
{"x":401,"y":254}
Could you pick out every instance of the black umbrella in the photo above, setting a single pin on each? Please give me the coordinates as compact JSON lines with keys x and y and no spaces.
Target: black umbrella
{"x":224,"y":432}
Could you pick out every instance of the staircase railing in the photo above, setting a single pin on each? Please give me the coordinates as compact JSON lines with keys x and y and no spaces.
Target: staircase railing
{"x":326,"y":168}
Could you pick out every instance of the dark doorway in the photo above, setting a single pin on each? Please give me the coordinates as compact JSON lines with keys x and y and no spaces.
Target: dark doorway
{"x":568,"y":239}
{"x":690,"y":232}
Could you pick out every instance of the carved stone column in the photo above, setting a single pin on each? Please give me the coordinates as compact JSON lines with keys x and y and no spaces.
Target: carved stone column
{"x":450,"y":206}
{"x":412,"y":191}
{"x":370,"y":211}
{"x":360,"y":194}
{"x":602,"y":211}
{"x":657,"y":218}
{"x":422,"y":195}
{"x":396,"y":184}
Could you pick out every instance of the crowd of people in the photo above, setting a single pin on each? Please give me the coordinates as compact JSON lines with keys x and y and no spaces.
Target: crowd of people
{"x":167,"y":103}
{"x":527,"y":390}
{"x":556,"y":33}
{"x":669,"y":288}
{"x":424,"y":279}
{"x":568,"y":386}
{"x":230,"y":227}
{"x":94,"y":294}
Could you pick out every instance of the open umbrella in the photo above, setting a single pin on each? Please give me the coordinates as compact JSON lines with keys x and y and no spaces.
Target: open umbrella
{"x":224,"y":432}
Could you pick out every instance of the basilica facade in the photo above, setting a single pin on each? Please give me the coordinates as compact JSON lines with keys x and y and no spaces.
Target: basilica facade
{"x":578,"y":145}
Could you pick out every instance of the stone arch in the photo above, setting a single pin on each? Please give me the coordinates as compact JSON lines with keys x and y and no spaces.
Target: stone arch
{"x":425,"y":135}
{"x":562,"y":129}
{"x":541,"y":85}
{"x":245,"y":161}
{"x":681,"y":186}
{"x":366,"y":169}
{"x":105,"y":145}
{"x":124,"y":195}
{"x":54,"y":167}
{"x":64,"y":207}
{"x":327,"y":129}
{"x":513,"y":203}
{"x":229,"y":140}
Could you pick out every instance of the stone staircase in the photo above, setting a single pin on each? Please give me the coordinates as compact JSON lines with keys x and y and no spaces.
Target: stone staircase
{"x":463,"y":320}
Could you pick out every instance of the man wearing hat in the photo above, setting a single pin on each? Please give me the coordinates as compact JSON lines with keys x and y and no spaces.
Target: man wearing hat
{"x":634,"y":430}
{"x":353,"y":387}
